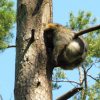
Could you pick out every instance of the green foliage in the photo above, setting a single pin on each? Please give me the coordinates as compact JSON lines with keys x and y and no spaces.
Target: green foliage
{"x":94,"y":91}
{"x":58,"y":75}
{"x":82,"y":21}
{"x":56,"y":85}
{"x":7,"y":19}
{"x":93,"y":40}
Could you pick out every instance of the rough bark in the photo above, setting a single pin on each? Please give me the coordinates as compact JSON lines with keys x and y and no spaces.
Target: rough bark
{"x":32,"y":78}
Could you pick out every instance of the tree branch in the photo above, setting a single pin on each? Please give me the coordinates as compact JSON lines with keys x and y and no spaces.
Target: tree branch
{"x":93,"y":64}
{"x":68,"y":81}
{"x":69,"y":94}
{"x":93,"y":77}
{"x":87,"y":30}
{"x":11,"y":46}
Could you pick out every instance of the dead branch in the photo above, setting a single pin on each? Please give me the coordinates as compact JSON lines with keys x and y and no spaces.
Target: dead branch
{"x":69,"y":94}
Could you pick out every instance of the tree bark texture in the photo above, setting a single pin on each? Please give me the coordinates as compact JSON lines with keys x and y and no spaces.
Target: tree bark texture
{"x":32,"y":74}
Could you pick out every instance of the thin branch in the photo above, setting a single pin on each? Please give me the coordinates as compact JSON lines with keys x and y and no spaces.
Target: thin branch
{"x":89,"y":67}
{"x":67,"y":81}
{"x":11,"y":46}
{"x":87,"y":30}
{"x":93,"y":77}
{"x":70,"y":82}
{"x":92,"y":65}
{"x":97,"y":61}
{"x":69,"y":94}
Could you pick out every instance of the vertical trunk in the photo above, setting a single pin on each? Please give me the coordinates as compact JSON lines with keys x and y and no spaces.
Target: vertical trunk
{"x":32,"y":79}
{"x":83,"y":81}
{"x":85,"y":84}
{"x":81,"y":77}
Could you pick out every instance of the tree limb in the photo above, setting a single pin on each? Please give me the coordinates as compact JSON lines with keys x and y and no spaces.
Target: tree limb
{"x":93,"y":64}
{"x":11,"y":46}
{"x":87,"y":30}
{"x":67,"y":81}
{"x":93,"y":77}
{"x":69,"y":94}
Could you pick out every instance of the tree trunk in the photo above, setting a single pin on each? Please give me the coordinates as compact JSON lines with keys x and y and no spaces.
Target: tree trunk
{"x":85,"y":84}
{"x":81,"y":78}
{"x":81,"y":75}
{"x":33,"y":76}
{"x":83,"y":81}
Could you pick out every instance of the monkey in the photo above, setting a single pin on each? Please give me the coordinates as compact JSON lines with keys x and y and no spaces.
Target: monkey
{"x":53,"y":39}
{"x":66,"y":51}
{"x":73,"y":54}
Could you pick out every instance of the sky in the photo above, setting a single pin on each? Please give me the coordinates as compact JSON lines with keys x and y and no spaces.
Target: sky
{"x":61,"y":10}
